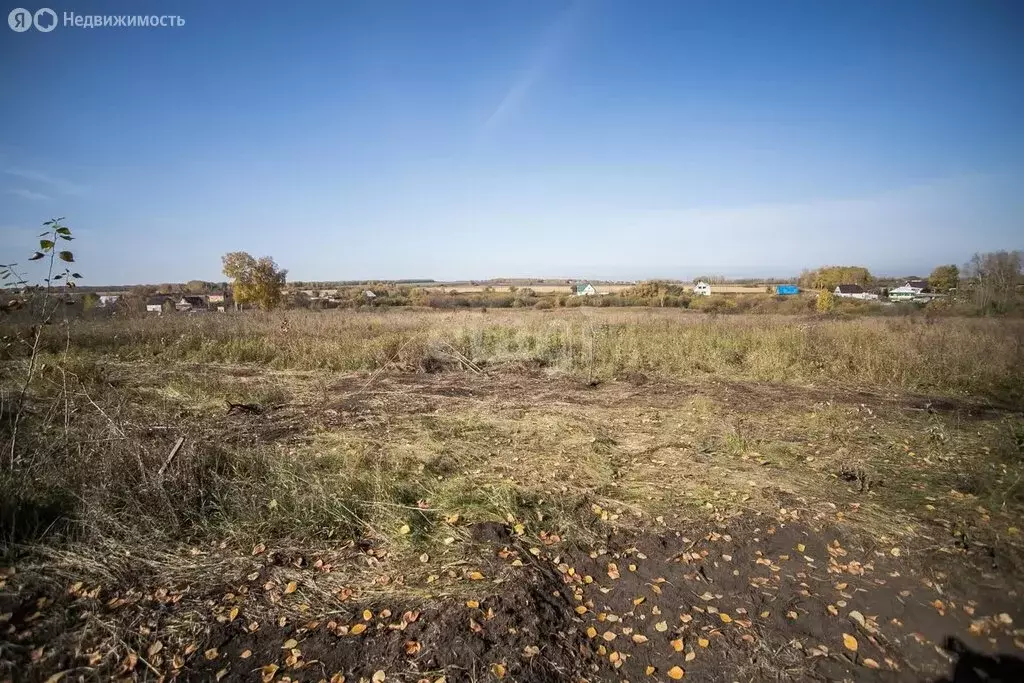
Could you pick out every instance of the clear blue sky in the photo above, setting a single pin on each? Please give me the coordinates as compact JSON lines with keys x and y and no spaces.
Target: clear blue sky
{"x":398,"y":138}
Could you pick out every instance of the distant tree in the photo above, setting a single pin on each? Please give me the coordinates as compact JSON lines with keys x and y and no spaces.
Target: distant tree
{"x":829,"y":277}
{"x":944,"y":278}
{"x":826,"y":301}
{"x":195,"y":286}
{"x":89,"y":301}
{"x":297,"y":299}
{"x":995,"y":277}
{"x":255,"y":281}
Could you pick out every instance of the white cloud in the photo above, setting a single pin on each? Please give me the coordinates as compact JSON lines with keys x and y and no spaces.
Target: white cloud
{"x":556,"y":36}
{"x":938,"y":220}
{"x":29,"y":194}
{"x":58,"y":184}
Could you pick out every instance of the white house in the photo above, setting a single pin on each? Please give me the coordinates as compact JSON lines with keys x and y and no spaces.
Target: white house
{"x":191,"y":303}
{"x":108,"y":299}
{"x":909,"y":291}
{"x":155,"y":304}
{"x":585,"y":289}
{"x":702,"y":289}
{"x":854,"y":292}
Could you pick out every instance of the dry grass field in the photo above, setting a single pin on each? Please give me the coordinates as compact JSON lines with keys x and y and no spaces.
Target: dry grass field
{"x":589,"y":494}
{"x":539,"y":289}
{"x":602,"y":289}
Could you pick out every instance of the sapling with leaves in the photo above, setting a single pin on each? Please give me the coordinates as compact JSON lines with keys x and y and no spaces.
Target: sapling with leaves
{"x":44,"y":302}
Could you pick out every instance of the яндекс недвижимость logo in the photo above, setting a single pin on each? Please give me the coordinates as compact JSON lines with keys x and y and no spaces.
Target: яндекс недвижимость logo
{"x":45,"y":20}
{"x":21,"y":19}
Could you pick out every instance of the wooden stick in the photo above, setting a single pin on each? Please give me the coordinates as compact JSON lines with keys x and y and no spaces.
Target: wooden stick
{"x":170,"y":457}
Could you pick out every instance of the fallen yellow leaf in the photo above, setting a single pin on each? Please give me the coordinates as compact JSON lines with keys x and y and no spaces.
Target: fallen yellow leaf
{"x":379,"y":676}
{"x":661,"y":626}
{"x":291,"y":587}
{"x":289,"y":644}
{"x":639,"y":638}
{"x":581,"y":609}
{"x":367,"y":615}
{"x":675,"y":673}
{"x":246,"y":654}
{"x":404,"y":529}
{"x":724,"y":617}
{"x":498,"y":670}
{"x":211,"y":654}
{"x":690,"y":656}
{"x":677,"y":644}
{"x":870,"y":663}
{"x":357,"y":629}
{"x":472,"y":604}
{"x":849,"y":642}
{"x":591,"y":632}
{"x":703,"y":642}
{"x":475,"y":576}
{"x":609,"y":636}
{"x":649,"y":671}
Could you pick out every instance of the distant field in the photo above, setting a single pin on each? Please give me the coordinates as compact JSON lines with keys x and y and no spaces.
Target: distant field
{"x":735,"y":289}
{"x":539,"y":289}
{"x":566,"y":289}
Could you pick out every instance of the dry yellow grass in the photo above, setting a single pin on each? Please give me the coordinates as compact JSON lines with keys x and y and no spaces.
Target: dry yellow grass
{"x":567,"y":289}
{"x":539,"y":289}
{"x":383,"y":442}
{"x":734,"y":289}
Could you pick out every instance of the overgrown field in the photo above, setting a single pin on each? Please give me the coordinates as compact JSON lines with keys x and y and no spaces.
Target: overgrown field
{"x":536,"y":496}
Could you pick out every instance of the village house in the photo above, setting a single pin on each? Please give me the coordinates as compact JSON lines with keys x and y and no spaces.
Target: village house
{"x":854,"y":292}
{"x":702,"y":289}
{"x":217,"y":298}
{"x":909,"y":291}
{"x":155,"y":304}
{"x":191,"y":303}
{"x":585,"y":289}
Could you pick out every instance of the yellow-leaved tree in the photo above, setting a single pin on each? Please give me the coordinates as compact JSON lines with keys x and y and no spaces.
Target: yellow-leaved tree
{"x":257,"y":282}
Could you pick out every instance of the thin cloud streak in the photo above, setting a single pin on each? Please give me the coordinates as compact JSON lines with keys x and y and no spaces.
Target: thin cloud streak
{"x":29,"y":194}
{"x":558,"y":34}
{"x":58,"y":184}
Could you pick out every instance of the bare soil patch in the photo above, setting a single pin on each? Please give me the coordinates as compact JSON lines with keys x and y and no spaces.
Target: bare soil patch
{"x":514,"y":525}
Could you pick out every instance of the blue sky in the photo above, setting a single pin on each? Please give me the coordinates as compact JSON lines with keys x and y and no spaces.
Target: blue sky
{"x":390,"y":139}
